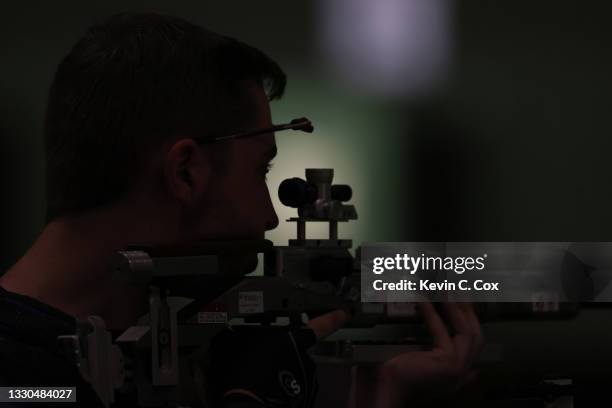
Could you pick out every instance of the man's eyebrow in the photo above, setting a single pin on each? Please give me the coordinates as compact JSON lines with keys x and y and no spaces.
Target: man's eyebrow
{"x":271,"y":153}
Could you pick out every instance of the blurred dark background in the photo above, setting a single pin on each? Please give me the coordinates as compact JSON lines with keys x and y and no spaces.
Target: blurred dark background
{"x":452,"y":120}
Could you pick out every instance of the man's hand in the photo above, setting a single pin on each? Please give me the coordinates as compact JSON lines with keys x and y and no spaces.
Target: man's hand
{"x":424,"y":375}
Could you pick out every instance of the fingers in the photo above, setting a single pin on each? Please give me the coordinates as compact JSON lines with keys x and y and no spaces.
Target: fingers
{"x":468,"y":339}
{"x":473,"y":329}
{"x":467,"y":342}
{"x":458,"y":319}
{"x":462,"y":339}
{"x":436,"y":327}
{"x":472,"y":319}
{"x":324,"y":325}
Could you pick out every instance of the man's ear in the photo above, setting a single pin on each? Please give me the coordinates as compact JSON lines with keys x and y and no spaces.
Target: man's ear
{"x":187,"y":172}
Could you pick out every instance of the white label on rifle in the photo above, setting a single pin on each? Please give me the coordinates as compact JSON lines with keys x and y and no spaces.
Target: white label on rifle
{"x":250,"y":302}
{"x":212,"y":317}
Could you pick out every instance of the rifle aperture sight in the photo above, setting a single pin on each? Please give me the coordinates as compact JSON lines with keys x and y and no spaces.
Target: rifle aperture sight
{"x":295,"y":192}
{"x":316,"y":199}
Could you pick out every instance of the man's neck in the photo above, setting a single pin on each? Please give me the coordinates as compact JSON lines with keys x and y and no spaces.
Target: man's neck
{"x":67,"y":268}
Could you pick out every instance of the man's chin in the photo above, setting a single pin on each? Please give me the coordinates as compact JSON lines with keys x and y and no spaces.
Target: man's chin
{"x":237,"y":254}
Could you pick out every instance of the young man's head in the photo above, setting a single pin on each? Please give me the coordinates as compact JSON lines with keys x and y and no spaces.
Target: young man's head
{"x":127,"y":111}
